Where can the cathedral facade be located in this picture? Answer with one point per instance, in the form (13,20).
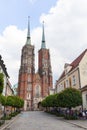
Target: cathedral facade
(34,87)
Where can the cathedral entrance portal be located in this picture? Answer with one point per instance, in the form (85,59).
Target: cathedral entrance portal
(39,106)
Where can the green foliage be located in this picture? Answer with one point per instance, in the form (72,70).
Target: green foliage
(6,117)
(19,103)
(1,82)
(70,117)
(43,103)
(2,100)
(14,101)
(70,97)
(13,114)
(50,101)
(10,101)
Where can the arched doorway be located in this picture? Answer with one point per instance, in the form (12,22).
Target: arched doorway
(39,106)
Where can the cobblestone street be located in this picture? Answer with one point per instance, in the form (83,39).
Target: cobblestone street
(37,120)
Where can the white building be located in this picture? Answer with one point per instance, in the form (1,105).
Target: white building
(75,75)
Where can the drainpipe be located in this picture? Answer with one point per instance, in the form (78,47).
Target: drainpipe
(80,85)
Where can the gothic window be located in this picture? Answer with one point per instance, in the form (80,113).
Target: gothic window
(29,52)
(29,70)
(29,87)
(37,91)
(24,61)
(29,60)
(28,96)
(29,79)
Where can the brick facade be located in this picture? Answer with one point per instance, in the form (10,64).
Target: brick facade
(33,87)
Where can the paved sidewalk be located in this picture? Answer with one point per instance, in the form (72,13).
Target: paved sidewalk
(8,122)
(79,123)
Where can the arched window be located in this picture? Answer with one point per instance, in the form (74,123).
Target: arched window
(37,91)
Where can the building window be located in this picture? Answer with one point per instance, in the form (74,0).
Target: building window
(57,88)
(64,84)
(29,79)
(24,61)
(67,83)
(86,98)
(37,91)
(29,70)
(73,80)
(28,96)
(29,88)
(61,86)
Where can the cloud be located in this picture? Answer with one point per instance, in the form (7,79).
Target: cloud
(32,1)
(66,27)
(12,39)
(65,32)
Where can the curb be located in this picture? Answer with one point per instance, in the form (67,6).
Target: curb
(74,124)
(4,126)
(70,122)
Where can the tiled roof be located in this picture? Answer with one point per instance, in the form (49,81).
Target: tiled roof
(74,64)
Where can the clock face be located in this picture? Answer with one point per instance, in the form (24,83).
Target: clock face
(84,69)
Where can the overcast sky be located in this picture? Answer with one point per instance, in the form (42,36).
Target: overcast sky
(65,31)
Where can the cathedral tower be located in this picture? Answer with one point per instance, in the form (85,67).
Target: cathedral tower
(44,67)
(34,87)
(26,72)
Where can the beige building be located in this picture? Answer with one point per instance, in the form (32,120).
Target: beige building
(75,75)
(9,90)
(3,70)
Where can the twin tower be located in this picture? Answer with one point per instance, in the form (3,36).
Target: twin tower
(34,87)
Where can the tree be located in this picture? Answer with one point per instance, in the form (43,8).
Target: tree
(43,103)
(50,101)
(10,101)
(2,100)
(1,82)
(19,103)
(14,101)
(70,97)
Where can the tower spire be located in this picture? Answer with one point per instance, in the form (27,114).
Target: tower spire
(43,45)
(28,33)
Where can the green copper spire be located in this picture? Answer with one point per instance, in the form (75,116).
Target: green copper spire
(43,45)
(28,33)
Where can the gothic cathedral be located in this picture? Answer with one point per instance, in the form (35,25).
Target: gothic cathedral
(34,87)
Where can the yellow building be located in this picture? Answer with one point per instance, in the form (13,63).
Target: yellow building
(9,90)
(75,75)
